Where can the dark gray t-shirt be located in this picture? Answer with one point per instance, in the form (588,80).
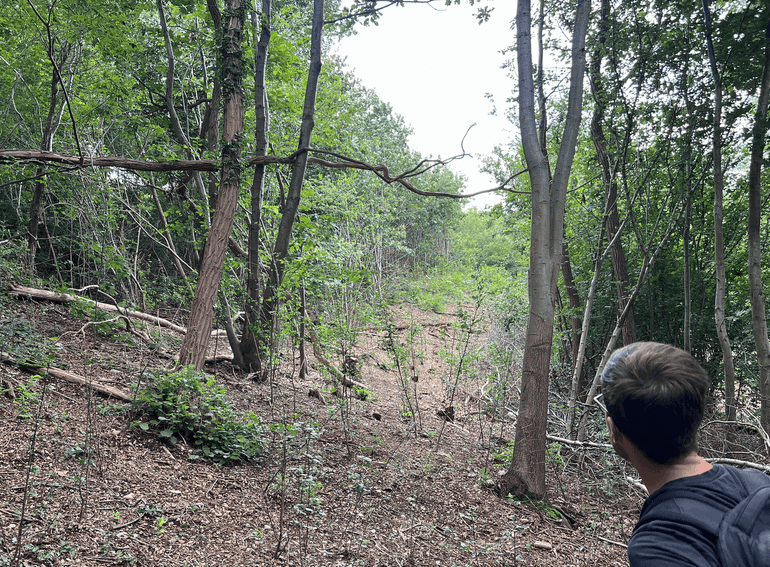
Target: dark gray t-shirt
(659,542)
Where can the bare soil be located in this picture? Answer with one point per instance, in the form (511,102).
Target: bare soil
(350,488)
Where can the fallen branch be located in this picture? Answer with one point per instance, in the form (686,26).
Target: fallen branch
(579,443)
(757,426)
(45,295)
(115,319)
(612,541)
(333,370)
(738,463)
(108,391)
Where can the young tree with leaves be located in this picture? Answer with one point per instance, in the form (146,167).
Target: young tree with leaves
(526,473)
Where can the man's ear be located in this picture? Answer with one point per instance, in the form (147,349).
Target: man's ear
(617,439)
(614,432)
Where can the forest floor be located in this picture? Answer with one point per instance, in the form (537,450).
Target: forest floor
(336,484)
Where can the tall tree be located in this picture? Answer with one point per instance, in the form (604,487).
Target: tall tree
(719,246)
(249,347)
(757,295)
(193,349)
(526,473)
(270,297)
(612,218)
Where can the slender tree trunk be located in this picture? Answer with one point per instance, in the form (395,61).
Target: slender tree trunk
(303,364)
(249,346)
(53,120)
(756,292)
(210,126)
(719,246)
(526,473)
(175,123)
(270,298)
(193,350)
(611,218)
(574,306)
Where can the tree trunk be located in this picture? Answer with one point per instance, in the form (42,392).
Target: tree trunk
(175,123)
(193,350)
(611,217)
(270,298)
(249,343)
(526,473)
(757,295)
(574,306)
(719,246)
(53,120)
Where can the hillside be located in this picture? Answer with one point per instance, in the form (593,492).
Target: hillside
(335,485)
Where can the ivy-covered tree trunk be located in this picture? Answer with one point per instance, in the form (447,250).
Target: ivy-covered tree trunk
(195,343)
(756,292)
(249,346)
(526,473)
(270,298)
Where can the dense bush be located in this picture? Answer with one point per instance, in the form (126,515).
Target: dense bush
(186,405)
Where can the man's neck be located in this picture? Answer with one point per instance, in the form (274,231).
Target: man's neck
(655,476)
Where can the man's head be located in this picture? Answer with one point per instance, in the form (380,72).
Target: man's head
(656,395)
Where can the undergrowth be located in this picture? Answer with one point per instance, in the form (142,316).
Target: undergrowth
(188,406)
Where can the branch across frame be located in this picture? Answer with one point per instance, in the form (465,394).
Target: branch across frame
(43,157)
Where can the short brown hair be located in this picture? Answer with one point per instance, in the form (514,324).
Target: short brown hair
(656,395)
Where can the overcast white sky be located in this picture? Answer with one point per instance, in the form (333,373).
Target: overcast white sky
(434,66)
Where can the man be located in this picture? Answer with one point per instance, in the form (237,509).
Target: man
(654,397)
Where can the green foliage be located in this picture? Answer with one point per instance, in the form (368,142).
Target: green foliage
(21,340)
(504,454)
(186,404)
(363,394)
(488,239)
(542,506)
(27,398)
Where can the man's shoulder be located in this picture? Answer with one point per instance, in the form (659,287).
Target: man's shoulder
(680,522)
(722,487)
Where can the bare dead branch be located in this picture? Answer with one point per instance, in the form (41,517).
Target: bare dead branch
(381,170)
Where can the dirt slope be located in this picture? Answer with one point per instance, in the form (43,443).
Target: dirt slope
(336,485)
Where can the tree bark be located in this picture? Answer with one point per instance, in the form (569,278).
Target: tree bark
(526,473)
(574,306)
(270,298)
(719,246)
(193,349)
(756,292)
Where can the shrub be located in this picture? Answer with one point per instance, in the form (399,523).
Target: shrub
(188,405)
